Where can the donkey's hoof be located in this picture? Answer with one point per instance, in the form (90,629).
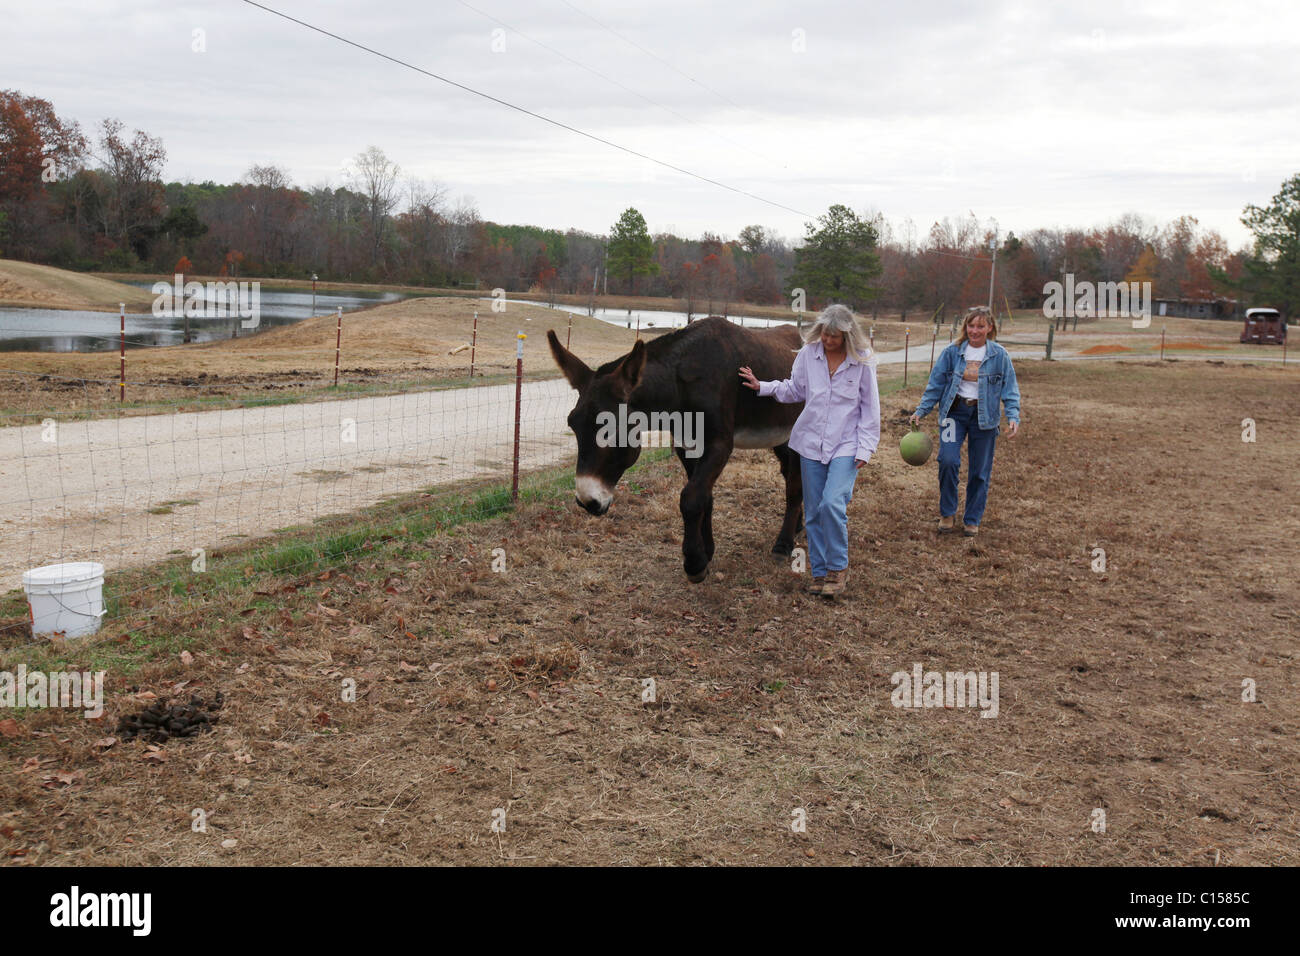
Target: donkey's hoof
(783,548)
(698,577)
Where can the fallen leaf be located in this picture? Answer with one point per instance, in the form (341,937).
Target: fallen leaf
(157,756)
(10,727)
(105,742)
(229,844)
(187,658)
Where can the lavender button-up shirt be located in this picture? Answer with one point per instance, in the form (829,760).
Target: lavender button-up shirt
(841,414)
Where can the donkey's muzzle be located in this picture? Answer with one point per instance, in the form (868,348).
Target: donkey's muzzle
(592,507)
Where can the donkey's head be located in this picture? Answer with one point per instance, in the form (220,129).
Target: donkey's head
(606,448)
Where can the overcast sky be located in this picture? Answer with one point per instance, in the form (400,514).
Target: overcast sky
(1026,113)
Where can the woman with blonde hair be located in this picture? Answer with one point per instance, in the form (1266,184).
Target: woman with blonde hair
(837,432)
(971,382)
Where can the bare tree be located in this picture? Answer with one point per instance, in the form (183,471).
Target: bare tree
(422,222)
(134,199)
(459,231)
(375,176)
(274,205)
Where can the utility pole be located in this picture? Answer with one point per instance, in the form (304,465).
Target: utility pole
(1060,320)
(993,266)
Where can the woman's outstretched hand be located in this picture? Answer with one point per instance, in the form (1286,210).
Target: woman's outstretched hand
(747,376)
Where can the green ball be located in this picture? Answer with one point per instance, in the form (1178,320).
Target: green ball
(916,447)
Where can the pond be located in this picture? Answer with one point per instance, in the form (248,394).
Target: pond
(66,330)
(654,319)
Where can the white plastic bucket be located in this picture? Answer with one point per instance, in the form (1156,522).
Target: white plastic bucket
(65,598)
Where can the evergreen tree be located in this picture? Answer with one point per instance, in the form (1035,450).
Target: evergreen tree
(838,259)
(631,251)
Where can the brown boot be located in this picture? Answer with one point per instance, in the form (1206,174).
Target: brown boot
(945,524)
(835,582)
(816,586)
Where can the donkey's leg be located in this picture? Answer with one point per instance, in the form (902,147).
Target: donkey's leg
(687,463)
(692,523)
(793,520)
(706,526)
(697,511)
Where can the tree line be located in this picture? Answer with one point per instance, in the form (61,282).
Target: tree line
(99,202)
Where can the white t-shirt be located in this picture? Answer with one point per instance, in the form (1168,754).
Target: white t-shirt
(973,358)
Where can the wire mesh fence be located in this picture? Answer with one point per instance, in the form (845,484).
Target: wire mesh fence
(162,484)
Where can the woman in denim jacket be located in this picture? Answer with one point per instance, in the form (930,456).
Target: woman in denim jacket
(971,382)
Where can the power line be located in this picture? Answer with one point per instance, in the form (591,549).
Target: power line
(610,79)
(525,111)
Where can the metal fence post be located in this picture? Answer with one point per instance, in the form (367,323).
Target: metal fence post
(473,344)
(338,348)
(519,389)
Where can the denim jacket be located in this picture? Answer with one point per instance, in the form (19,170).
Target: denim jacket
(997,385)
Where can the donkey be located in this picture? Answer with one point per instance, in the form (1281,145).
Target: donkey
(691,372)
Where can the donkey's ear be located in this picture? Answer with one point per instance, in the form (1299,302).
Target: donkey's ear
(629,370)
(574,369)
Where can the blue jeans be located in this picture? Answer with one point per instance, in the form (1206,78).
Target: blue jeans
(827,491)
(979,462)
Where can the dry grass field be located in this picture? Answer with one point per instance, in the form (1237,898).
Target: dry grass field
(27,285)
(521,690)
